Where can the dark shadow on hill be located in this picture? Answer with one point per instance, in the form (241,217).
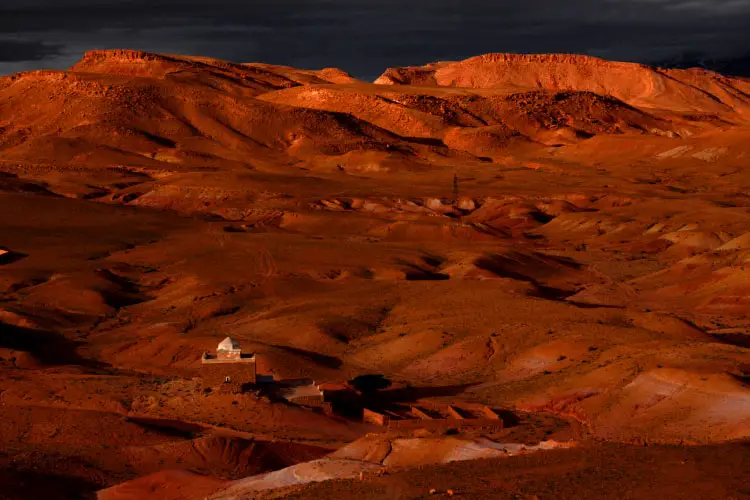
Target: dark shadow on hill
(172,428)
(10,183)
(743,379)
(423,271)
(409,393)
(552,293)
(491,230)
(526,267)
(18,484)
(49,348)
(375,391)
(348,328)
(532,268)
(735,339)
(588,305)
(160,140)
(11,257)
(321,359)
(371,383)
(509,418)
(126,291)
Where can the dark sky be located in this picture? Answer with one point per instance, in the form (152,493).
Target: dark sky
(366,36)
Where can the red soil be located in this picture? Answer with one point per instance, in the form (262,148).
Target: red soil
(592,265)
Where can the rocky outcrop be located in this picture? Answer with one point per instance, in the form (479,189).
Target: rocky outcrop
(636,84)
(147,64)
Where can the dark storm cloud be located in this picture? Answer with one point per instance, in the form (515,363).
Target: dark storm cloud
(14,51)
(365,36)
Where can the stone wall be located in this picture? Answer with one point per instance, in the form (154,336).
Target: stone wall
(484,418)
(447,423)
(308,400)
(373,417)
(239,373)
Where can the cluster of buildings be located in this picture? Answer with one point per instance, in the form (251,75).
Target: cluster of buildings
(229,370)
(435,416)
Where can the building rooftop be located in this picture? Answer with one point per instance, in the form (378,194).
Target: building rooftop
(228,344)
(301,391)
(213,358)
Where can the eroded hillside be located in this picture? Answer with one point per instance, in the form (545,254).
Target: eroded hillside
(561,237)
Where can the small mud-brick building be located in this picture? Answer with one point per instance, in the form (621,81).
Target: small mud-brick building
(229,370)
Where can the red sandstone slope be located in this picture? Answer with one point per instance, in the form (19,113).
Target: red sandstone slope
(476,119)
(602,278)
(102,118)
(636,84)
(257,76)
(156,111)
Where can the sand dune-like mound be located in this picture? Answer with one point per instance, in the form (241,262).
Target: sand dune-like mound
(678,404)
(668,326)
(695,239)
(710,282)
(323,469)
(635,84)
(462,357)
(411,452)
(636,393)
(166,485)
(739,243)
(84,295)
(606,295)
(485,141)
(546,358)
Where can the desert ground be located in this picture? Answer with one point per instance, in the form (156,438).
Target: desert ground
(559,237)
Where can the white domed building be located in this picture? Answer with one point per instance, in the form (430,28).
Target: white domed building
(229,369)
